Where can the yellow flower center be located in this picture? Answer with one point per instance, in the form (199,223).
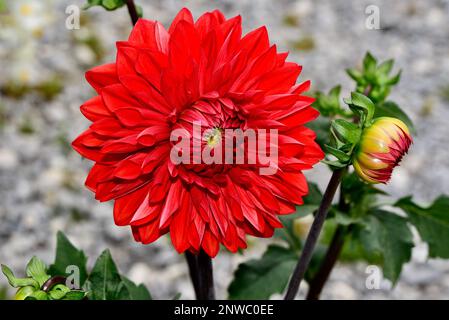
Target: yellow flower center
(214,137)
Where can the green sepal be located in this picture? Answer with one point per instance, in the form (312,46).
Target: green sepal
(363,105)
(18,282)
(24,292)
(346,131)
(37,270)
(38,295)
(340,155)
(334,164)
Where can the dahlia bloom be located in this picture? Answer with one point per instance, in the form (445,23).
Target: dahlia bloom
(381,148)
(202,72)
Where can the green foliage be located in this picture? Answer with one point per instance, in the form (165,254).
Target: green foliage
(39,285)
(260,278)
(107,4)
(345,131)
(110,5)
(36,269)
(374,79)
(136,292)
(106,283)
(389,236)
(432,223)
(68,255)
(362,106)
(346,135)
(18,282)
(103,283)
(329,104)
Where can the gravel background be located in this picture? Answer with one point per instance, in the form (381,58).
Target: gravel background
(41,179)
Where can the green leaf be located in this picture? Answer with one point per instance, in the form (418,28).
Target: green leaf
(334,94)
(105,282)
(36,269)
(139,11)
(394,80)
(391,109)
(260,278)
(136,292)
(346,131)
(74,295)
(432,223)
(107,4)
(388,235)
(346,219)
(91,3)
(314,196)
(369,65)
(68,255)
(355,74)
(112,4)
(385,67)
(177,296)
(18,282)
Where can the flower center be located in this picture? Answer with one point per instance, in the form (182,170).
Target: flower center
(213,137)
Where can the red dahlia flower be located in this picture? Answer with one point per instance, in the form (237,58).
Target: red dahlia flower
(203,72)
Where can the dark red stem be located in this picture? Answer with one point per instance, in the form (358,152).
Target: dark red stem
(312,237)
(132,11)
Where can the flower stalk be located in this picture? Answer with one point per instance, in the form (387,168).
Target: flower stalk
(312,238)
(201,275)
(132,11)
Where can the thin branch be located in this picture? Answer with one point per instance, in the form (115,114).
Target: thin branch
(132,11)
(312,238)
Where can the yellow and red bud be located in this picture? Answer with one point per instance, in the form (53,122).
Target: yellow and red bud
(382,146)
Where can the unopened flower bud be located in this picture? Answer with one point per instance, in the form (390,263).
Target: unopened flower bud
(381,148)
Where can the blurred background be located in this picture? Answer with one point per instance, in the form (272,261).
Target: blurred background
(42,65)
